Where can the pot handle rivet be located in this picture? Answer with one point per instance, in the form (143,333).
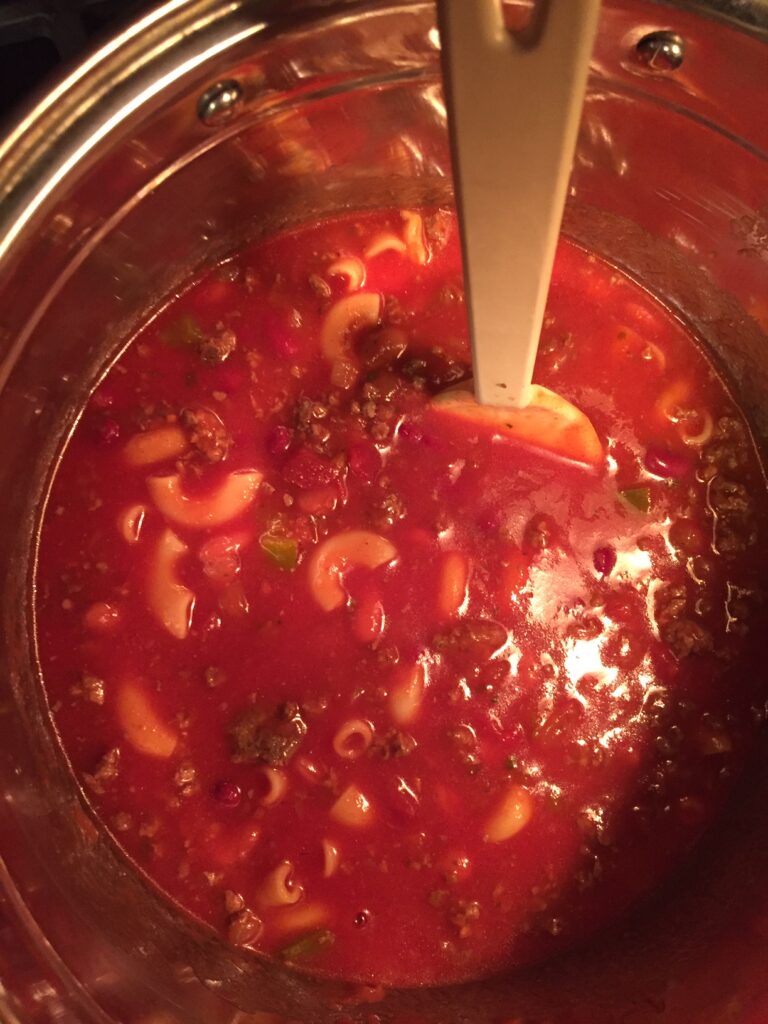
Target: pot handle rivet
(660,51)
(220,103)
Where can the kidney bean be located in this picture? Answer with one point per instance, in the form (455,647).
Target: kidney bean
(279,440)
(664,463)
(604,560)
(227,793)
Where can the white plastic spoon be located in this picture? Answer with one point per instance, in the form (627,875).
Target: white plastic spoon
(514,102)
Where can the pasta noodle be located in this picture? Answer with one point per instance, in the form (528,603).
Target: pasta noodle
(511,816)
(352,809)
(368,620)
(669,401)
(414,236)
(277,784)
(333,557)
(353,739)
(230,499)
(309,770)
(630,343)
(169,600)
(454,578)
(700,438)
(279,889)
(301,918)
(140,723)
(331,858)
(385,242)
(130,523)
(155,446)
(350,267)
(653,353)
(407,693)
(353,312)
(670,405)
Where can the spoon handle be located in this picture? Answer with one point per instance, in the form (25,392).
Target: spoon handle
(514,101)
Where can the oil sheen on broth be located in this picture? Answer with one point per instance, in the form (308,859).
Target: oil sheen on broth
(376,690)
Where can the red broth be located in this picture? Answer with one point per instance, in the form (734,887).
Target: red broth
(374,690)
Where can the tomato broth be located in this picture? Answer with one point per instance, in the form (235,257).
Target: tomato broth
(383,691)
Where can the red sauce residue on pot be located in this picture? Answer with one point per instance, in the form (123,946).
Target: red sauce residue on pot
(380,690)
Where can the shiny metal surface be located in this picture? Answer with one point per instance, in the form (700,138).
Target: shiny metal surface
(660,51)
(113,192)
(221,103)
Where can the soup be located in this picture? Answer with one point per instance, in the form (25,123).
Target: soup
(366,681)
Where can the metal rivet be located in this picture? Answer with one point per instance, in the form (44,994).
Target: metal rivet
(220,103)
(661,51)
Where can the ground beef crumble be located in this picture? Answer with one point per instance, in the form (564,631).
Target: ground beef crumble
(207,434)
(685,637)
(218,347)
(185,779)
(272,736)
(387,511)
(90,688)
(481,635)
(393,744)
(734,515)
(540,534)
(382,347)
(728,451)
(105,771)
(215,677)
(678,629)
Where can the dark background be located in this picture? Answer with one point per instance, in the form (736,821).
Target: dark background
(37,37)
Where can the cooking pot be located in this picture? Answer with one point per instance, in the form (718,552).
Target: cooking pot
(212,122)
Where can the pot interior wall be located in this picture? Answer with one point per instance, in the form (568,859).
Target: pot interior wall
(344,114)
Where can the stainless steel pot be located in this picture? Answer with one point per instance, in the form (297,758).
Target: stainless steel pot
(212,121)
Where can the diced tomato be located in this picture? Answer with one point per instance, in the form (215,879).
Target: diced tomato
(279,440)
(422,538)
(401,801)
(364,462)
(279,332)
(231,845)
(102,617)
(307,470)
(319,501)
(220,557)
